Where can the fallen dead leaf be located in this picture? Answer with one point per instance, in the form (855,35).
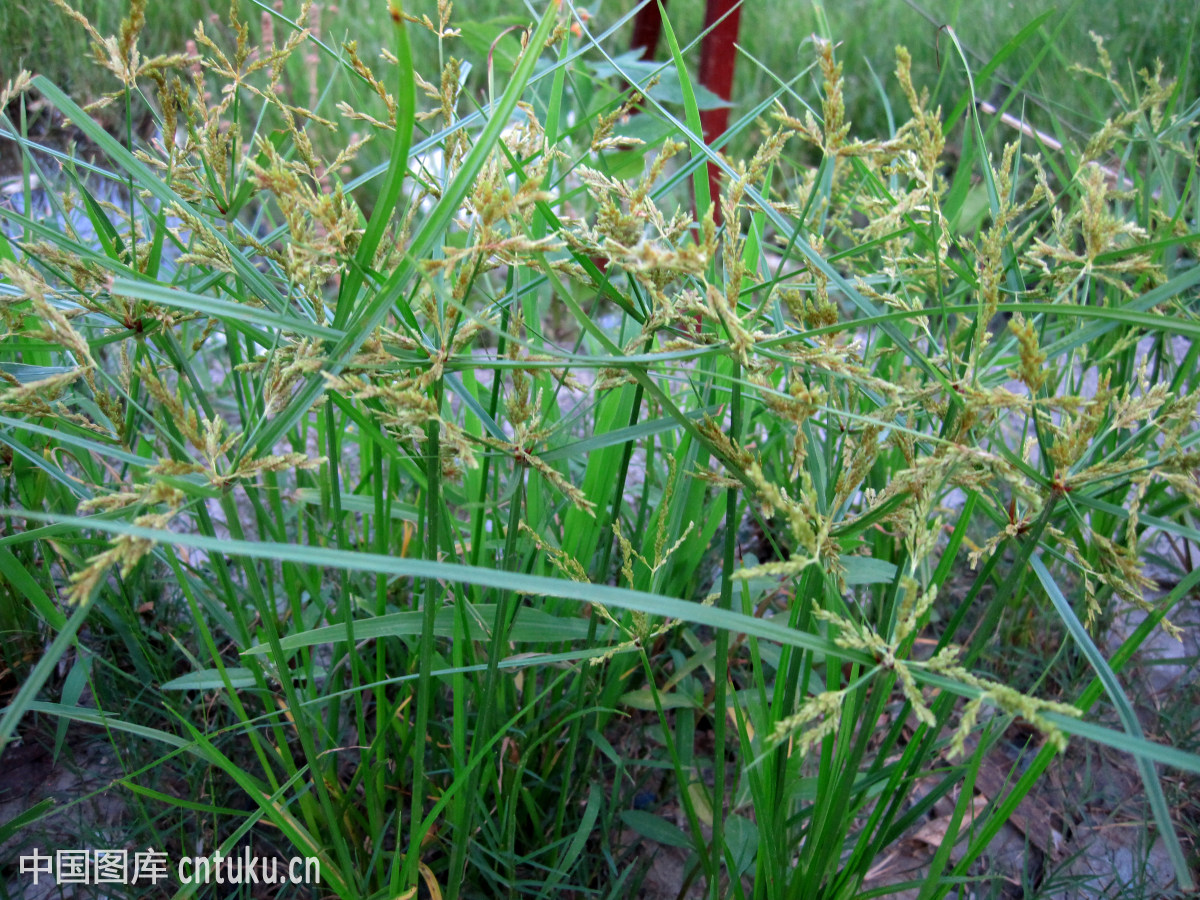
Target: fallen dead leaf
(934,831)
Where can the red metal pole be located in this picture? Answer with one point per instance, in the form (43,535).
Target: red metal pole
(647,29)
(717,56)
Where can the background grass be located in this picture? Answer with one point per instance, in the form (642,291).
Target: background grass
(39,37)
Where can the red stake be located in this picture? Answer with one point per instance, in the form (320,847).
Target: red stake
(647,29)
(717,57)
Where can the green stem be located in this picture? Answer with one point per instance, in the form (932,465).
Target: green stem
(433,473)
(500,626)
(721,661)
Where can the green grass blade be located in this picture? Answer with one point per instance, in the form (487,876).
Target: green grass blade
(1128,717)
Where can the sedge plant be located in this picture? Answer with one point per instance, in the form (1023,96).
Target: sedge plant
(413,494)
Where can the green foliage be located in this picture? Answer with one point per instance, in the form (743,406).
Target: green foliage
(401,494)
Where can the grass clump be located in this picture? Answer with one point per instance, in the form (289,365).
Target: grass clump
(414,499)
